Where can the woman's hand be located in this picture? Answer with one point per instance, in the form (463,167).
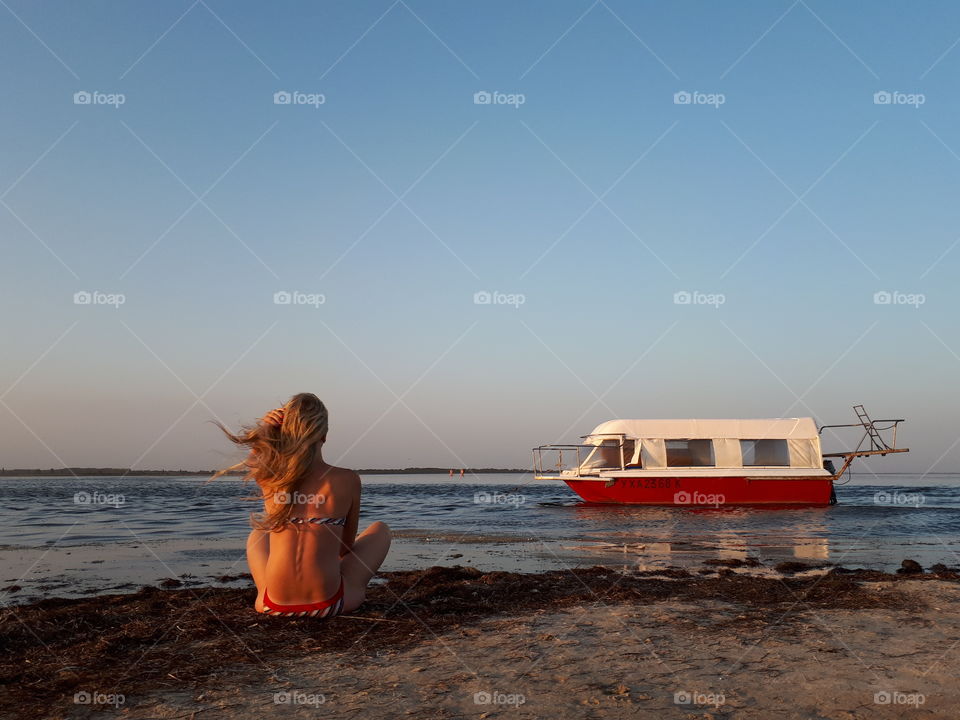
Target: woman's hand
(274,417)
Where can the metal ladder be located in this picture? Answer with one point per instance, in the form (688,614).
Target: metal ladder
(876,442)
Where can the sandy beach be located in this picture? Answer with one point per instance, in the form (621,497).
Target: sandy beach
(723,641)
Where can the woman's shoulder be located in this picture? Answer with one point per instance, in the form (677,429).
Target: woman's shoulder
(345,476)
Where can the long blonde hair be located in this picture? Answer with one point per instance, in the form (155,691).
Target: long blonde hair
(282,447)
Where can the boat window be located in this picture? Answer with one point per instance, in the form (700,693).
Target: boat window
(604,456)
(690,453)
(765,453)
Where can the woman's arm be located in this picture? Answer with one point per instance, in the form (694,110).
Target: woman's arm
(353,518)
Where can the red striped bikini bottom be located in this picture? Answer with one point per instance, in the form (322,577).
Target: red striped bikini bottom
(325,609)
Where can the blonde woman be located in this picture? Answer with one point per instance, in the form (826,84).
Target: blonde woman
(304,552)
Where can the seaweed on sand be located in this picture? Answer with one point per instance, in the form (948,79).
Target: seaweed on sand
(158,639)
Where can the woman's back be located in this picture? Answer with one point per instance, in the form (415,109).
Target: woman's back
(305,555)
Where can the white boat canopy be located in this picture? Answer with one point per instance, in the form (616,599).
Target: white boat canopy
(772,428)
(783,442)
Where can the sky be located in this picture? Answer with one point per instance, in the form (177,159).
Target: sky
(472,228)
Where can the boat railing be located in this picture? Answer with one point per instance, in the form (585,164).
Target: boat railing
(576,456)
(871,442)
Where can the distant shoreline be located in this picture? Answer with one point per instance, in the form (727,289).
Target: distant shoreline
(126,472)
(113,472)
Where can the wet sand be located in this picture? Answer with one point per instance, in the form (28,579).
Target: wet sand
(82,570)
(35,573)
(721,641)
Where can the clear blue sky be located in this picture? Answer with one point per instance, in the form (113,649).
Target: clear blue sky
(598,199)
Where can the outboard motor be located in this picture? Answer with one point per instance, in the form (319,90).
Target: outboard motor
(828,466)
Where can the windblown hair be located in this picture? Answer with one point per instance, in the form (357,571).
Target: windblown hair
(281,453)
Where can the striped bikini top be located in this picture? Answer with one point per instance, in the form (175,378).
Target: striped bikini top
(318,521)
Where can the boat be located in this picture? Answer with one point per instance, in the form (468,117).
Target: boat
(711,463)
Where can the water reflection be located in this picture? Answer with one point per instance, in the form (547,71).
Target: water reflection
(658,536)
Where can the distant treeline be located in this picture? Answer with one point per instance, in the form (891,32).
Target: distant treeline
(93,472)
(87,472)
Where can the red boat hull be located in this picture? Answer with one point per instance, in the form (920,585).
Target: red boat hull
(706,491)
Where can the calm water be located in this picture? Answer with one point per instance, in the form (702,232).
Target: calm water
(875,525)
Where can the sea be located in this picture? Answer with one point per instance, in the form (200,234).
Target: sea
(76,536)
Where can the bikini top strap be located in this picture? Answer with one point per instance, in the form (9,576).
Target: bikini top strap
(318,521)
